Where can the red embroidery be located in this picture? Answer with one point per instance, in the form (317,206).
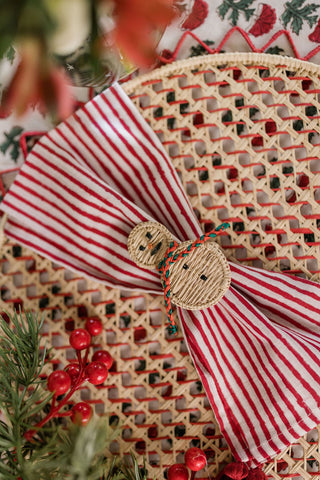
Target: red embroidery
(315,35)
(230,33)
(197,16)
(265,22)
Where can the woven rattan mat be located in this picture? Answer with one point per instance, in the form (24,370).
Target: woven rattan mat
(243,133)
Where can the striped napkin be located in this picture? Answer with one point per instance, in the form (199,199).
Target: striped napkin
(84,187)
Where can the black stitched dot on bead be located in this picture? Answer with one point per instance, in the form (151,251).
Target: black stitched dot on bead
(142,248)
(203,277)
(148,235)
(185,266)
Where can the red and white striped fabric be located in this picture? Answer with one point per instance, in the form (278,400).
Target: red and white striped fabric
(87,184)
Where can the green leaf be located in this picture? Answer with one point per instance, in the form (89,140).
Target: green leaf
(223,9)
(4,146)
(286,17)
(10,54)
(14,132)
(248,13)
(308,9)
(296,13)
(243,4)
(197,50)
(11,142)
(236,8)
(295,4)
(234,16)
(312,20)
(296,25)
(275,50)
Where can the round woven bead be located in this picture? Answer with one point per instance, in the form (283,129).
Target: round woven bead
(200,279)
(147,244)
(197,280)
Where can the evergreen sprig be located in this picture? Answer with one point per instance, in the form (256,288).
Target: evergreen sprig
(134,472)
(77,453)
(21,396)
(59,450)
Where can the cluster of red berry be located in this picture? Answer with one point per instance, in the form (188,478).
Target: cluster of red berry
(66,382)
(195,459)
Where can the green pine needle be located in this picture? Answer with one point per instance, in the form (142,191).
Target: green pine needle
(58,450)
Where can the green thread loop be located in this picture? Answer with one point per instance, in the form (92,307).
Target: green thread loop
(170,258)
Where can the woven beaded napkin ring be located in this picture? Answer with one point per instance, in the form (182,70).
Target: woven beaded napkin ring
(194,274)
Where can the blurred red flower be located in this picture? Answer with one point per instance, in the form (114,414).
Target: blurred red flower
(37,81)
(138,22)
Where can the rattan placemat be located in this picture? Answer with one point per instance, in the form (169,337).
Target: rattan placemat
(243,133)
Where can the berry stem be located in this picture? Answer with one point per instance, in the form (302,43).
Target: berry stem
(54,410)
(65,414)
(193,475)
(85,359)
(79,357)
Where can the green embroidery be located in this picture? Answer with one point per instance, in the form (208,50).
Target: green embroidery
(197,50)
(295,13)
(11,143)
(275,50)
(236,9)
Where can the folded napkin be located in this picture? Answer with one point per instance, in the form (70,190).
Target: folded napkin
(82,190)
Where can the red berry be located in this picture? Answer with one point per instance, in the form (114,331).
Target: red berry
(195,459)
(178,472)
(96,372)
(80,339)
(59,382)
(104,357)
(94,326)
(81,413)
(73,370)
(237,470)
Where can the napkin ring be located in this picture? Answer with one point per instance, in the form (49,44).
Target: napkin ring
(194,274)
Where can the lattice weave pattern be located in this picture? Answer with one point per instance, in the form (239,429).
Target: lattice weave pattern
(152,390)
(243,136)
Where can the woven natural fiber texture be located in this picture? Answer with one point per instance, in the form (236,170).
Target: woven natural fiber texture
(206,263)
(195,274)
(139,244)
(242,132)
